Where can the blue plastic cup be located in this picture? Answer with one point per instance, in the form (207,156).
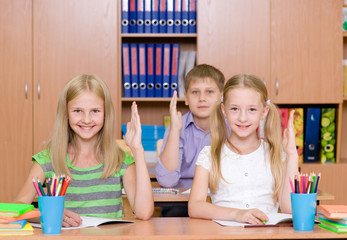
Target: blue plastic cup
(51,210)
(303,210)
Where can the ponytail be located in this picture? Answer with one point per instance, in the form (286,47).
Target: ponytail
(218,137)
(273,136)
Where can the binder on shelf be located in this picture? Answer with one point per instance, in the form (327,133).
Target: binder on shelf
(166,71)
(126,70)
(158,81)
(142,69)
(140,16)
(174,68)
(125,16)
(190,63)
(299,131)
(147,16)
(134,71)
(284,114)
(312,127)
(132,16)
(328,135)
(181,72)
(184,16)
(177,16)
(150,69)
(162,16)
(170,22)
(155,16)
(192,16)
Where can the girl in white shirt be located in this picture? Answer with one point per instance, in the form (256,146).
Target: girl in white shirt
(248,177)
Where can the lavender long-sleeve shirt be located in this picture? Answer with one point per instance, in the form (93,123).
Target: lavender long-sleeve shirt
(192,141)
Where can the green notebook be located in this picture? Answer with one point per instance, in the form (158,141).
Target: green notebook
(335,227)
(14,209)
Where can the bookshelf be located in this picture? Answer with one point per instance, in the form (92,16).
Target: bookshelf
(151,109)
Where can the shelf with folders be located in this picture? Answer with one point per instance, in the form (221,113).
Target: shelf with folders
(158,35)
(154,69)
(158,16)
(318,131)
(150,99)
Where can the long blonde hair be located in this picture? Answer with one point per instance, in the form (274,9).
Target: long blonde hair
(272,131)
(107,150)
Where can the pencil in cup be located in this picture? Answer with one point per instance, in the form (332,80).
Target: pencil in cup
(56,186)
(304,183)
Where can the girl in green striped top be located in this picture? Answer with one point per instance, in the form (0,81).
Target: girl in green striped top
(83,147)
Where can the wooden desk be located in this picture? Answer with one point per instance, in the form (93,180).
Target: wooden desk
(160,198)
(182,228)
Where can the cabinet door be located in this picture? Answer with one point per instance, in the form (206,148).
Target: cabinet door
(306,51)
(71,37)
(15,95)
(234,36)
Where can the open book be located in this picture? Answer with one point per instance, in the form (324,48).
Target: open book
(274,220)
(91,222)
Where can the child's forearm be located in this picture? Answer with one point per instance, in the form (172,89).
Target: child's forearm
(290,171)
(206,210)
(170,155)
(143,204)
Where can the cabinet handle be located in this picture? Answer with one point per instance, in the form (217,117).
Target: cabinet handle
(277,86)
(38,90)
(26,89)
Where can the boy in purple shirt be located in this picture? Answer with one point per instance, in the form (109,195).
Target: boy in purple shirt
(188,134)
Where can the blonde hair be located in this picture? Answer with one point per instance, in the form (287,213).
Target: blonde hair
(107,150)
(272,131)
(204,71)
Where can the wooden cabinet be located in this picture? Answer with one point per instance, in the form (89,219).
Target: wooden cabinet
(15,94)
(295,46)
(234,36)
(44,44)
(70,38)
(306,52)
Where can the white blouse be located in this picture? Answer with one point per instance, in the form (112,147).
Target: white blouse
(249,182)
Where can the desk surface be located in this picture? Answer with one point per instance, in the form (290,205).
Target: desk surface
(182,228)
(167,197)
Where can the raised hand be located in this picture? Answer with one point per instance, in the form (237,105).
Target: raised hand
(175,117)
(289,145)
(133,135)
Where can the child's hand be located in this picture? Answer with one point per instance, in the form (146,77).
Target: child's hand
(133,135)
(289,145)
(252,216)
(71,219)
(175,117)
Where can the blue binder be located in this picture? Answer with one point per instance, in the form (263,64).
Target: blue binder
(155,16)
(126,70)
(147,16)
(150,69)
(177,16)
(140,16)
(158,81)
(184,16)
(170,22)
(125,16)
(132,16)
(142,69)
(162,16)
(192,16)
(174,68)
(134,71)
(312,129)
(166,70)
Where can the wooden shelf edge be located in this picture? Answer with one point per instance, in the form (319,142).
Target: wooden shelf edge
(150,99)
(156,35)
(344,33)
